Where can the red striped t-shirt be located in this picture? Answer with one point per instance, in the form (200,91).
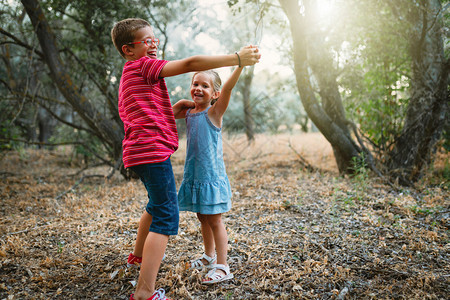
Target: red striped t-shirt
(145,109)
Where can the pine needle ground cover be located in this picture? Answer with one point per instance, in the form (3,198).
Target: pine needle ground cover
(294,233)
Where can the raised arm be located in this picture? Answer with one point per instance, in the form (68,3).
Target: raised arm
(247,56)
(217,111)
(181,107)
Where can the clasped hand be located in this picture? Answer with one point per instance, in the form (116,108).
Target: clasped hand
(249,55)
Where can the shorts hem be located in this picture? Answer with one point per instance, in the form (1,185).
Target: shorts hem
(163,232)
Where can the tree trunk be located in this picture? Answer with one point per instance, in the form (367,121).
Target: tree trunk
(321,63)
(248,119)
(110,133)
(46,125)
(427,111)
(329,119)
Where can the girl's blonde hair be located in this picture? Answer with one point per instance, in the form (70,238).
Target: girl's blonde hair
(215,79)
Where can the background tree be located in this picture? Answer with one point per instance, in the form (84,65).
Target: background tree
(315,65)
(247,32)
(310,52)
(367,72)
(71,40)
(427,111)
(105,129)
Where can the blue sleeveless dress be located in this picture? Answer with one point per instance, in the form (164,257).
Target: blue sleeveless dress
(205,187)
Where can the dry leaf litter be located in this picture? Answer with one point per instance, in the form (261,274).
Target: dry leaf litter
(293,233)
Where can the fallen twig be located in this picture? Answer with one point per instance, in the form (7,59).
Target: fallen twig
(28,229)
(303,161)
(77,184)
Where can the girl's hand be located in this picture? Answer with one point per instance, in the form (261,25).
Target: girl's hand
(249,55)
(180,108)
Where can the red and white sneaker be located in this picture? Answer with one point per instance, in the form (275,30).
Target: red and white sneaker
(159,294)
(134,261)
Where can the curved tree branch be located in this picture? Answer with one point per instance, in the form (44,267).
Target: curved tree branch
(111,133)
(18,42)
(109,97)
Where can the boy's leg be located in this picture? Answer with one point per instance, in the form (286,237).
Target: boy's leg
(154,248)
(208,236)
(144,225)
(159,181)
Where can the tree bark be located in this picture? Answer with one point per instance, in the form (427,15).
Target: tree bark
(329,119)
(248,119)
(109,132)
(427,111)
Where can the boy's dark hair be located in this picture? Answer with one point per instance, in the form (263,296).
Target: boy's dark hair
(124,31)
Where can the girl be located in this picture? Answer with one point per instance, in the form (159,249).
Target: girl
(205,188)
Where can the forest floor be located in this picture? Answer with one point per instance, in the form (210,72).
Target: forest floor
(293,233)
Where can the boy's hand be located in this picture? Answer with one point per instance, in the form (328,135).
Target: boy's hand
(249,55)
(180,108)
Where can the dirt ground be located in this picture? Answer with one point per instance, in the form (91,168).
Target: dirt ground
(293,233)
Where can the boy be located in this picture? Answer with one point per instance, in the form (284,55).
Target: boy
(151,136)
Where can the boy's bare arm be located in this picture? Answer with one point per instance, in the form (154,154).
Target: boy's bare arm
(180,108)
(247,55)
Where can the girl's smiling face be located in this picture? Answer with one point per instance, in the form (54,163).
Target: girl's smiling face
(202,90)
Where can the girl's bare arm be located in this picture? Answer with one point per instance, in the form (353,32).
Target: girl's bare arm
(219,108)
(181,107)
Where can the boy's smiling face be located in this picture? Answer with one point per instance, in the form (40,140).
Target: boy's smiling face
(141,49)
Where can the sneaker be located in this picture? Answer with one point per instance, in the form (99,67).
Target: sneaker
(159,294)
(135,261)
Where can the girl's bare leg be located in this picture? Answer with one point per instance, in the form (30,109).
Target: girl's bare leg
(220,238)
(208,236)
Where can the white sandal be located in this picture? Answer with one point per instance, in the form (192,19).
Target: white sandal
(214,277)
(199,264)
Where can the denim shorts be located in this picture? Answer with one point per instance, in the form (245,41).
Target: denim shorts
(162,203)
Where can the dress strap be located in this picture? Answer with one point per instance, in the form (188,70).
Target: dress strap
(197,113)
